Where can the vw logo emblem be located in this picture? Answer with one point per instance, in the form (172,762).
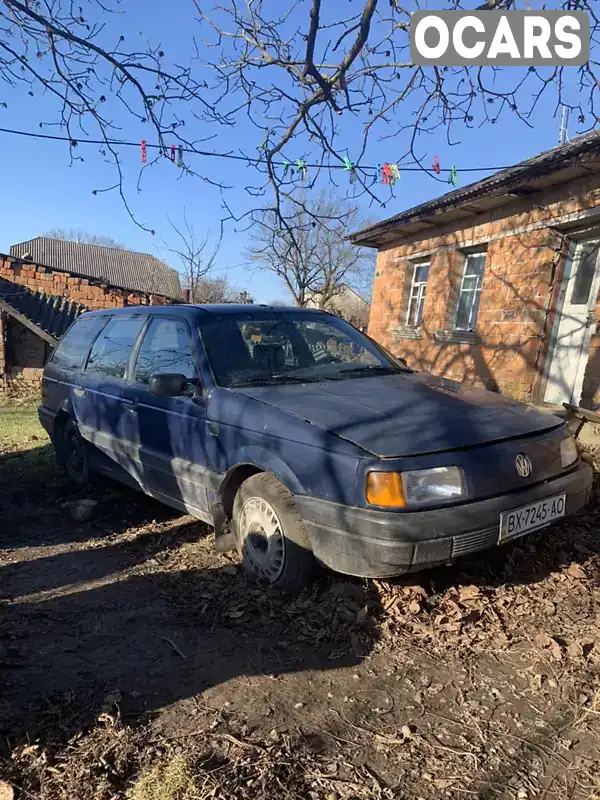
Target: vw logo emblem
(523,465)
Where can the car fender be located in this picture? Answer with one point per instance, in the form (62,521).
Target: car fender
(270,462)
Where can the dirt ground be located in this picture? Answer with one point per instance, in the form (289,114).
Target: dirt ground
(135,663)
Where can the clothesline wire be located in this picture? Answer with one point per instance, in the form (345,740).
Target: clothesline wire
(231,156)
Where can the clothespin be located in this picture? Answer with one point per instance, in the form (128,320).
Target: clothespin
(180,157)
(286,167)
(377,174)
(144,151)
(452,178)
(387,177)
(349,167)
(172,152)
(395,172)
(302,168)
(436,165)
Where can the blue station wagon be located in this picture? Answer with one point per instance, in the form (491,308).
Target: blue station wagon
(300,439)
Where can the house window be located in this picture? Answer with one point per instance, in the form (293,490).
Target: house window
(470,292)
(416,298)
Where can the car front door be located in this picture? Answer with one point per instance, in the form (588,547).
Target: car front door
(168,433)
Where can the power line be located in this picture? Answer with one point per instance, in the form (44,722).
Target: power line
(232,156)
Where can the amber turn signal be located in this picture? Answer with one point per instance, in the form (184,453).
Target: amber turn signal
(385,489)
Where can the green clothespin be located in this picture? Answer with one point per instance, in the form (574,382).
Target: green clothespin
(452,178)
(395,172)
(349,167)
(286,167)
(302,168)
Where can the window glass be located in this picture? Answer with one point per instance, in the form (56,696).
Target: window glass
(470,292)
(73,348)
(416,298)
(279,347)
(586,269)
(166,347)
(112,349)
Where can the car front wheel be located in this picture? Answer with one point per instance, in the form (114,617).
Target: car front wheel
(270,534)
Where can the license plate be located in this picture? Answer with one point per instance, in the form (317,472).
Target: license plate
(529,518)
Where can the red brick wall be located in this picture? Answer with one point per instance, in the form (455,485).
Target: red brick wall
(525,257)
(93,294)
(22,353)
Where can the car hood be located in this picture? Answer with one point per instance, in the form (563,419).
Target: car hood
(406,414)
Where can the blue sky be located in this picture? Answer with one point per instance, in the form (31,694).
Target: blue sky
(41,190)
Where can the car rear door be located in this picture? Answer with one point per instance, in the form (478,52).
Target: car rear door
(168,433)
(98,402)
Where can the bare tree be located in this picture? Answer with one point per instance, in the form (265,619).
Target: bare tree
(301,77)
(196,258)
(312,255)
(83,237)
(219,290)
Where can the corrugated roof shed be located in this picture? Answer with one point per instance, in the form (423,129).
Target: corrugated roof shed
(48,315)
(124,269)
(553,167)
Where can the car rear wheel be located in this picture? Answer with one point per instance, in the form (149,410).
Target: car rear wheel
(270,534)
(73,454)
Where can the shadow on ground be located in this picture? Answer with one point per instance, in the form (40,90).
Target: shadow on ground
(134,620)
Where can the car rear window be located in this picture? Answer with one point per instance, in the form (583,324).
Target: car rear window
(74,346)
(111,351)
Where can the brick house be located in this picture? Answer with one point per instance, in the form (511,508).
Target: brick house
(46,283)
(496,283)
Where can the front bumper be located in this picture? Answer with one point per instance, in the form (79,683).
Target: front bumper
(379,544)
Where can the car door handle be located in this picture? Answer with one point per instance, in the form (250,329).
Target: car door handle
(130,406)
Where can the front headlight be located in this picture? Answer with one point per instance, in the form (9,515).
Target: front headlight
(415,487)
(433,485)
(568,452)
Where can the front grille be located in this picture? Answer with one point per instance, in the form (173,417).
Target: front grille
(472,542)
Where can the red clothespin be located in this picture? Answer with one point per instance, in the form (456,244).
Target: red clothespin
(144,152)
(436,165)
(172,152)
(387,176)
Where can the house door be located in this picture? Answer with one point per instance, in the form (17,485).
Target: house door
(572,336)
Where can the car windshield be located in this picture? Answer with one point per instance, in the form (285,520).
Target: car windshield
(272,347)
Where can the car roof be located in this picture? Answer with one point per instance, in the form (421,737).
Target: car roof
(196,310)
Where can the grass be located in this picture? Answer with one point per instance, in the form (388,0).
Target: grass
(172,780)
(20,430)
(25,450)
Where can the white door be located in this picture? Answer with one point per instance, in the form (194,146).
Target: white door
(571,345)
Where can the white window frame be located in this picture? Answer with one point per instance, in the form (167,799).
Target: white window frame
(417,292)
(476,293)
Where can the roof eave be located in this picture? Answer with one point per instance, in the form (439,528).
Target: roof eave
(551,168)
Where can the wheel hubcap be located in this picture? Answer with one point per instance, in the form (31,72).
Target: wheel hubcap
(262,536)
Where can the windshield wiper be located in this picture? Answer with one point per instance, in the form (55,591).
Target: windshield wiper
(370,369)
(258,380)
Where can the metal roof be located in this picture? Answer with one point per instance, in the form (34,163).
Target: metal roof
(123,269)
(48,315)
(575,159)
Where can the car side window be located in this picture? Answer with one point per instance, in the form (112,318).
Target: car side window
(111,351)
(74,346)
(166,347)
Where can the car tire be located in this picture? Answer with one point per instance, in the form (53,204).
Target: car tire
(271,537)
(73,454)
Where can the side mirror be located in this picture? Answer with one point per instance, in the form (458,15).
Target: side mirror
(170,384)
